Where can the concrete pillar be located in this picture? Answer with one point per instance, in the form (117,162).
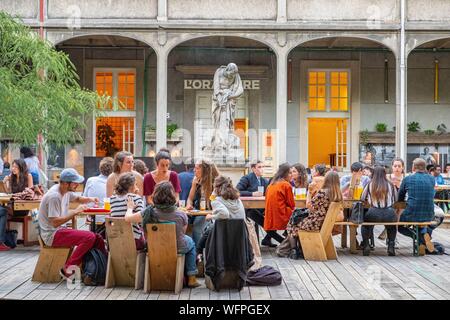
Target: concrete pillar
(162,10)
(401,89)
(161,99)
(281,114)
(282,11)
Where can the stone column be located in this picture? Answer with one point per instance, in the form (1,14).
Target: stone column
(161,99)
(282,11)
(162,10)
(401,117)
(281,113)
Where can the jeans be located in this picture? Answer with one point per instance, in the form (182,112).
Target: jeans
(190,261)
(197,228)
(35,176)
(83,240)
(3,218)
(379,215)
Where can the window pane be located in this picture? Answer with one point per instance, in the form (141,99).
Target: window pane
(343,77)
(334,104)
(114,134)
(321,104)
(343,91)
(130,91)
(343,104)
(312,77)
(334,77)
(321,91)
(321,77)
(130,78)
(130,103)
(312,91)
(126,89)
(312,103)
(334,91)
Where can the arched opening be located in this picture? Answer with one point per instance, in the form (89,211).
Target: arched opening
(191,68)
(340,90)
(124,69)
(428,76)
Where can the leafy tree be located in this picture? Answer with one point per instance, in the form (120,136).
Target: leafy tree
(39,92)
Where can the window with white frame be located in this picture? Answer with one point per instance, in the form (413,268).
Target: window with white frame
(115,131)
(328,90)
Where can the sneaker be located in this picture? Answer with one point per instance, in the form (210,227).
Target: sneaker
(422,250)
(4,247)
(383,235)
(428,243)
(65,276)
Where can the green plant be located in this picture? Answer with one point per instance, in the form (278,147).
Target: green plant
(171,128)
(39,90)
(364,137)
(105,142)
(381,127)
(413,126)
(429,132)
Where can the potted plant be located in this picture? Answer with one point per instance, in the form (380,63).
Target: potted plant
(413,126)
(105,142)
(429,132)
(381,127)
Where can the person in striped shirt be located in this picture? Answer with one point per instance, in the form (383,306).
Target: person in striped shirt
(125,189)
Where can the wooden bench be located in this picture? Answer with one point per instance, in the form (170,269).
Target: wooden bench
(318,245)
(353,227)
(125,264)
(164,267)
(49,263)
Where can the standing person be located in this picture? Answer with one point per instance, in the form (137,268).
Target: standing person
(447,171)
(19,179)
(165,210)
(186,178)
(202,188)
(248,187)
(140,167)
(54,212)
(96,186)
(299,176)
(381,195)
(161,173)
(123,162)
(420,204)
(32,163)
(279,202)
(126,189)
(6,171)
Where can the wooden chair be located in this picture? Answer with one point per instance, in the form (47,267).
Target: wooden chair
(50,261)
(318,245)
(125,263)
(164,267)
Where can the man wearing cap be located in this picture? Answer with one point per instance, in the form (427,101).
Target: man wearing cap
(54,213)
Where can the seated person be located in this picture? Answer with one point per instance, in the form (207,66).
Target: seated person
(226,205)
(317,179)
(356,177)
(186,178)
(317,211)
(165,210)
(126,189)
(96,186)
(248,187)
(420,203)
(54,213)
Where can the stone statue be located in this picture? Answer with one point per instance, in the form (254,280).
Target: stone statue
(227,89)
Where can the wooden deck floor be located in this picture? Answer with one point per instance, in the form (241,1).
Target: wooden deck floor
(350,277)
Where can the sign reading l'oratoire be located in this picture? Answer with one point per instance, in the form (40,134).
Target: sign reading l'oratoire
(197,84)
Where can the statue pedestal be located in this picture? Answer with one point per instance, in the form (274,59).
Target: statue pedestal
(234,172)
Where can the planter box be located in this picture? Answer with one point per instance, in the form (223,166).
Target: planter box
(413,138)
(150,136)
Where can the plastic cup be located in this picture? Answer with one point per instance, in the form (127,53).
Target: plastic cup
(302,193)
(261,189)
(182,203)
(107,204)
(203,205)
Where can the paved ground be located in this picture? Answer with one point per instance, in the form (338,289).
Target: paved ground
(350,277)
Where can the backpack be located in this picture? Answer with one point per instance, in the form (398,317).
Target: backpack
(11,238)
(298,215)
(264,276)
(94,267)
(438,249)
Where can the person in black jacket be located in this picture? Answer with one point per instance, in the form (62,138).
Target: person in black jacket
(248,187)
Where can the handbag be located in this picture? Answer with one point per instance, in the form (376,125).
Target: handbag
(11,238)
(357,214)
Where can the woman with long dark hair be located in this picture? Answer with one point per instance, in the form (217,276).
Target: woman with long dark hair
(279,202)
(19,179)
(381,195)
(123,162)
(299,176)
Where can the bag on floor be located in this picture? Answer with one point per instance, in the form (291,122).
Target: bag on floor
(94,267)
(438,249)
(11,238)
(357,214)
(264,276)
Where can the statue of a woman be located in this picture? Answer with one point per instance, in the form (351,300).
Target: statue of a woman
(227,89)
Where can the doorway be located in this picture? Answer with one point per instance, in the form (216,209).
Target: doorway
(327,141)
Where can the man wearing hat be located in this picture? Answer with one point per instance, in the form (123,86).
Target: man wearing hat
(54,213)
